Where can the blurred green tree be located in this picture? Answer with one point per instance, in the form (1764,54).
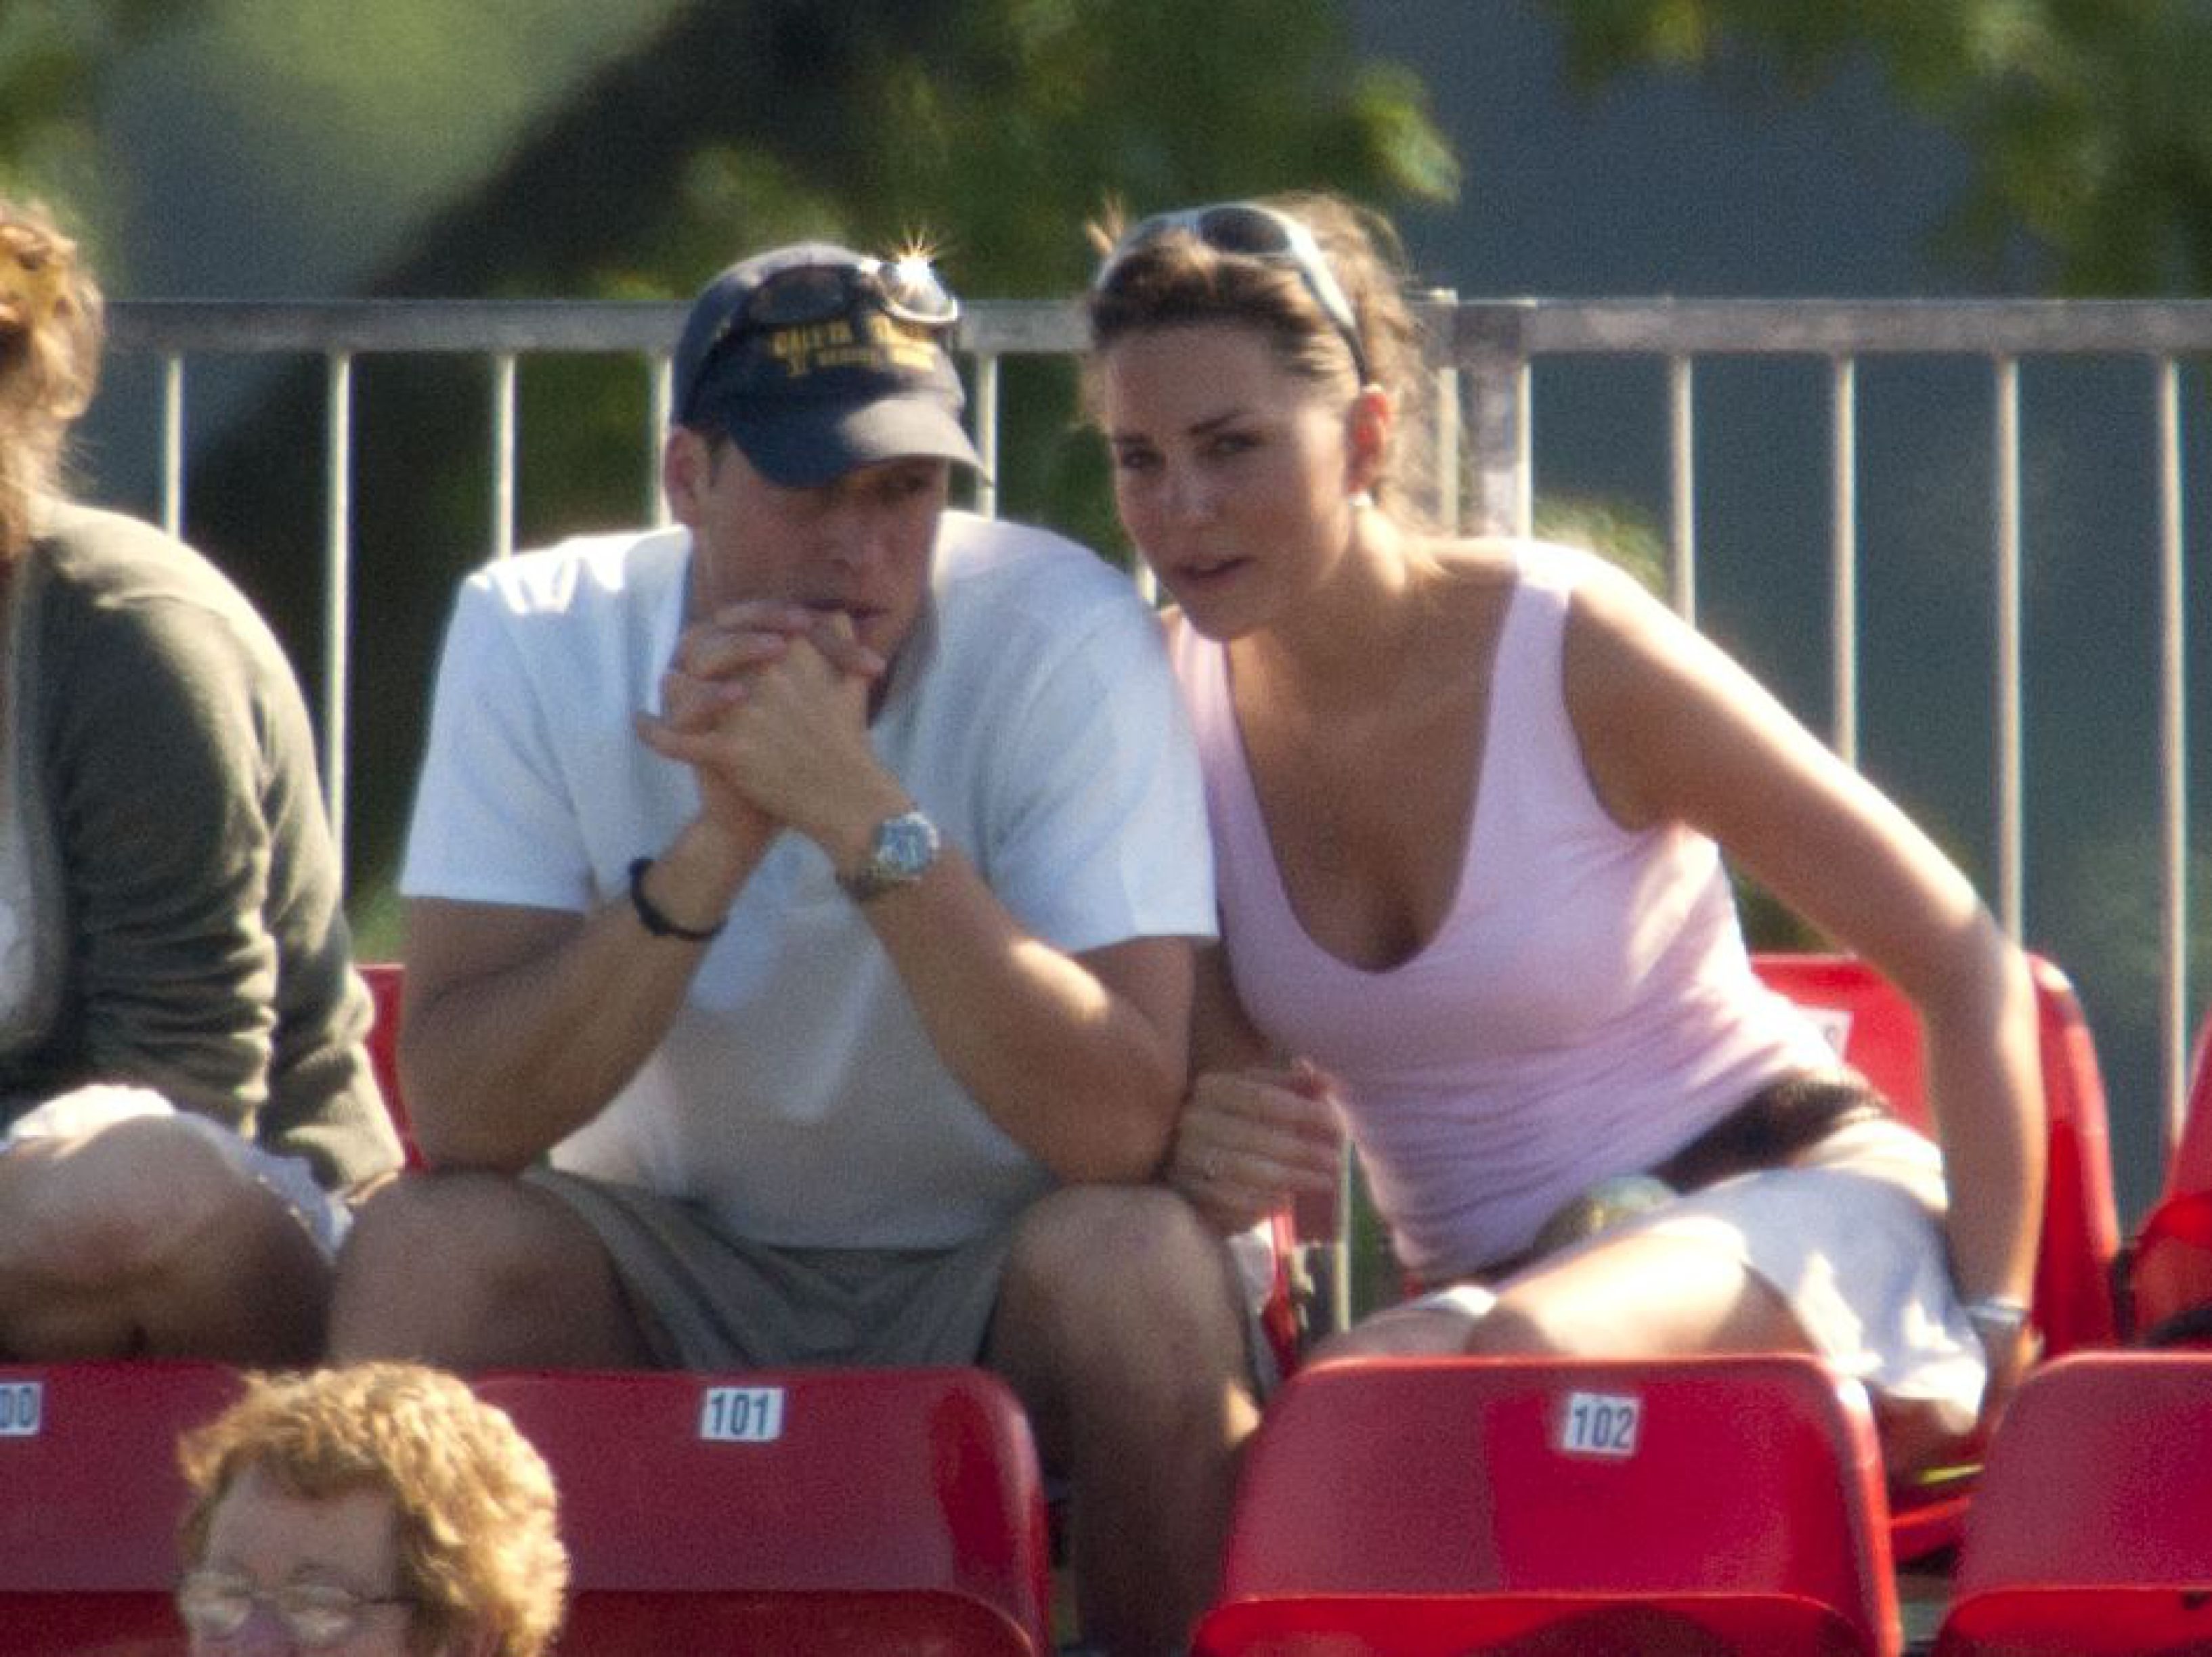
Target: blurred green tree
(2084,122)
(53,55)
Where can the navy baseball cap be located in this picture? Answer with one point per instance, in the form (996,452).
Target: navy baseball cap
(816,360)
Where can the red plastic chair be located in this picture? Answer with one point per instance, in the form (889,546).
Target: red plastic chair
(387,981)
(89,1499)
(800,1512)
(2091,1531)
(1434,1506)
(2073,1308)
(2169,1262)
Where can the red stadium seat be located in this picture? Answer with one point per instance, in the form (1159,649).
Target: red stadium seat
(2073,1307)
(387,980)
(2169,1262)
(1435,1506)
(799,1512)
(2091,1533)
(89,1499)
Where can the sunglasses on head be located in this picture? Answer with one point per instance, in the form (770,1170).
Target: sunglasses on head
(1249,230)
(907,289)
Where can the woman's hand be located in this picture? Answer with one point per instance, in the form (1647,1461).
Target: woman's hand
(1250,1140)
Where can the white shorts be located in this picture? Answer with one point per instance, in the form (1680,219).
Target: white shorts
(1851,1235)
(85,1111)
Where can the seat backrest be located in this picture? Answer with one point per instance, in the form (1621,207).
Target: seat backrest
(804,1512)
(90,1495)
(1435,1505)
(387,981)
(2169,1261)
(1878,1032)
(2092,1530)
(2189,1169)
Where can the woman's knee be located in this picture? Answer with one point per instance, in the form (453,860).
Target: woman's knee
(119,1204)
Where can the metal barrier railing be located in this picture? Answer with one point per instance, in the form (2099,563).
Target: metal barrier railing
(1488,354)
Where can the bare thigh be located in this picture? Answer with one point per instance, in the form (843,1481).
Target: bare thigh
(479,1271)
(1634,1297)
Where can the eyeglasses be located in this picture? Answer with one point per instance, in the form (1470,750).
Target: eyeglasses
(906,288)
(216,1605)
(1249,230)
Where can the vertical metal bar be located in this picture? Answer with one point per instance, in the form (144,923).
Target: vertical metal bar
(1489,350)
(1445,383)
(2174,749)
(1844,558)
(1682,485)
(337,585)
(1501,450)
(503,453)
(987,433)
(2010,854)
(1524,469)
(1438,496)
(660,416)
(172,443)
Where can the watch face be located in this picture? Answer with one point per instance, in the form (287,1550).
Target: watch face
(905,845)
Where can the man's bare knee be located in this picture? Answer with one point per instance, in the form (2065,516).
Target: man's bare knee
(1119,1294)
(472,1271)
(1117,1250)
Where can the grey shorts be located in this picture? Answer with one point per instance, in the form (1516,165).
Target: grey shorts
(705,1299)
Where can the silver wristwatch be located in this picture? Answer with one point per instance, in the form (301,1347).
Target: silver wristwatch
(904,848)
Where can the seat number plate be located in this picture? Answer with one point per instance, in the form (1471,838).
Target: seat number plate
(1600,1424)
(22,1408)
(742,1415)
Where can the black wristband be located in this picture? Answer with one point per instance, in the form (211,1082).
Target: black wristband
(656,923)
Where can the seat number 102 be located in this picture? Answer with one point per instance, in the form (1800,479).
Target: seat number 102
(1600,1424)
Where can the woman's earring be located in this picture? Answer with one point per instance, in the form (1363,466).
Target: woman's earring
(1361,501)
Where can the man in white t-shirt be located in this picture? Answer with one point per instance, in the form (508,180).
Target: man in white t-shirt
(801,912)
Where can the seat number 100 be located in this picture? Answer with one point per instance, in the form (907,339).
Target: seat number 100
(22,1405)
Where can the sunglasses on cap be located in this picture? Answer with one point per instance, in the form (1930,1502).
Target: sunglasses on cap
(907,289)
(1248,230)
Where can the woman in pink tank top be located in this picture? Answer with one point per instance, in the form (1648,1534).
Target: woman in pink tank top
(1470,798)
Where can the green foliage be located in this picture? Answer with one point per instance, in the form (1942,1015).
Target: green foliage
(53,55)
(2084,122)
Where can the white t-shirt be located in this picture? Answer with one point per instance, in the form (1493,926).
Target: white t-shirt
(796,1095)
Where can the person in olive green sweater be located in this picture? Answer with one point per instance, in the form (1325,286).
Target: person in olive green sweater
(186,1108)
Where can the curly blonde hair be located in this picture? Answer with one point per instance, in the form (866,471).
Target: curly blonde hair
(51,330)
(479,1541)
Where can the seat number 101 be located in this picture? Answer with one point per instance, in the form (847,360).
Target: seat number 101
(742,1415)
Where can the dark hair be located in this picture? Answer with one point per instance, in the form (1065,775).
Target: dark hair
(1175,278)
(51,332)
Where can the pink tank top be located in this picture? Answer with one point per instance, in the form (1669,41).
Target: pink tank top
(1586,1007)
